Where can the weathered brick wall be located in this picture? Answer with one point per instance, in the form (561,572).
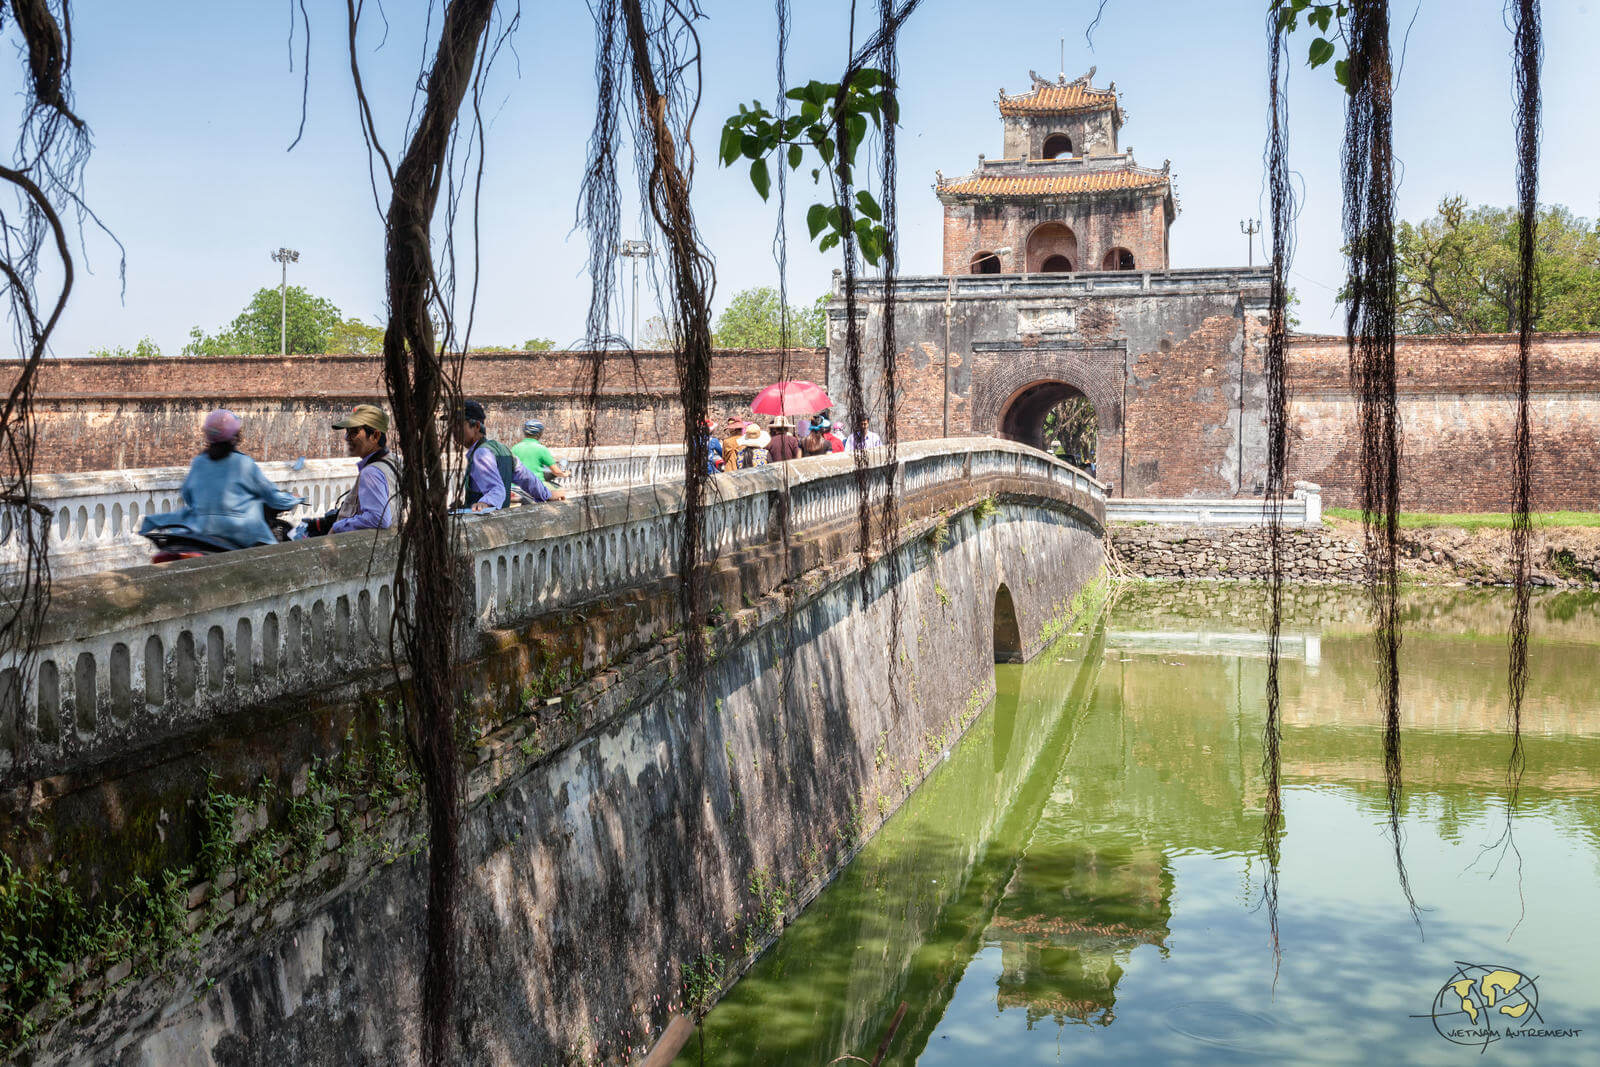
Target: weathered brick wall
(1132,220)
(1092,132)
(1457,415)
(97,414)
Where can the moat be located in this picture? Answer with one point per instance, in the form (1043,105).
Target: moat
(1082,880)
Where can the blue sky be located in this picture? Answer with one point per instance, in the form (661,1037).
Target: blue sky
(193,105)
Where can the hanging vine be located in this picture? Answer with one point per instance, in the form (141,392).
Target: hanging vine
(655,51)
(422,374)
(46,175)
(1281,195)
(1368,162)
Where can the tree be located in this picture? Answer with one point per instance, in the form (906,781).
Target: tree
(255,330)
(538,344)
(355,337)
(1458,271)
(752,320)
(145,348)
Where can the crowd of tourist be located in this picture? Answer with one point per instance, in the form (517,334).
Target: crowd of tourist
(743,444)
(227,497)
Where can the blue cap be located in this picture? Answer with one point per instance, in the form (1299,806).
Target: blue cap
(533,427)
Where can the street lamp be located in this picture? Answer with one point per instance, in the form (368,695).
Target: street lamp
(1250,228)
(636,250)
(284,256)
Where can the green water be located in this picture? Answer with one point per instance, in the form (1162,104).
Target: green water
(1082,881)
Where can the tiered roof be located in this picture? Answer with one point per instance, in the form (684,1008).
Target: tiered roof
(1053,184)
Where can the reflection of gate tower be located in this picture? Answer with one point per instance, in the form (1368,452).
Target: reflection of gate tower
(1064,198)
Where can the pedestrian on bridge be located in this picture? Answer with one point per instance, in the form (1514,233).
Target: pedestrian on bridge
(535,454)
(492,471)
(370,503)
(783,445)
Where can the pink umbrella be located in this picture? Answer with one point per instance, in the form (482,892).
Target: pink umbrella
(791,398)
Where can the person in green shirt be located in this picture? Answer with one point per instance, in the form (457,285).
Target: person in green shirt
(535,455)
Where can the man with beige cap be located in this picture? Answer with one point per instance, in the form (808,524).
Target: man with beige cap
(370,505)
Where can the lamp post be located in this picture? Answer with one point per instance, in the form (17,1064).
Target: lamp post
(636,250)
(1250,228)
(284,256)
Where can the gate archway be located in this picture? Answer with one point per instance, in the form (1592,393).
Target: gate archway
(1025,417)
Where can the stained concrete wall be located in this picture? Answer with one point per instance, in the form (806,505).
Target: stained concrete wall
(612,836)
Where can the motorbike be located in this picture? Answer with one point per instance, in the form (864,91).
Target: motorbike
(176,541)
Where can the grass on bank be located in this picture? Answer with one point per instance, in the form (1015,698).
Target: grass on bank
(1477,520)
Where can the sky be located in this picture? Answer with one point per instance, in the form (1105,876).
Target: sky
(193,105)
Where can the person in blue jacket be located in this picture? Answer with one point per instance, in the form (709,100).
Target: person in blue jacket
(225,491)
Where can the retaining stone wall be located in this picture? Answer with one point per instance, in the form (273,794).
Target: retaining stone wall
(1561,557)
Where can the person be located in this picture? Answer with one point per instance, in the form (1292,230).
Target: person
(732,429)
(492,471)
(782,445)
(816,442)
(753,446)
(830,434)
(370,503)
(863,437)
(535,454)
(225,492)
(713,448)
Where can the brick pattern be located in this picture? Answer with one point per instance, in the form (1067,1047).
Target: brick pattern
(1135,220)
(1457,417)
(98,414)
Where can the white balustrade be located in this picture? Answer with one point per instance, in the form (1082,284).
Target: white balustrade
(129,657)
(95,515)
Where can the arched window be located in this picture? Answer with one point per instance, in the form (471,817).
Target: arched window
(986,263)
(1052,247)
(1117,259)
(1057,144)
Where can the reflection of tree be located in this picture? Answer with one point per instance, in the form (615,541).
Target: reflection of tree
(1068,922)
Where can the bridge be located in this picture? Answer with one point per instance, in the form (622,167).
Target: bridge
(209,790)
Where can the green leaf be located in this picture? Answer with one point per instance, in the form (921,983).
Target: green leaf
(825,149)
(796,154)
(1320,18)
(857,127)
(730,144)
(759,177)
(868,206)
(1341,72)
(827,242)
(816,219)
(750,145)
(1321,51)
(866,78)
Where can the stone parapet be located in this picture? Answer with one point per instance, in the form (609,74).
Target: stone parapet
(131,657)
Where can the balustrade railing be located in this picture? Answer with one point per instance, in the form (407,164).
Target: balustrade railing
(95,516)
(129,657)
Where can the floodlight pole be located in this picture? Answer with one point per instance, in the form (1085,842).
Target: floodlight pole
(284,256)
(636,250)
(1250,228)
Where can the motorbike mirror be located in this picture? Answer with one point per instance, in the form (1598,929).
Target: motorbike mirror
(299,464)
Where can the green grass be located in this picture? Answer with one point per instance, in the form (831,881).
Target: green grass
(1477,520)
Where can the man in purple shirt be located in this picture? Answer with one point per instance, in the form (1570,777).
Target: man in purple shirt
(492,471)
(370,504)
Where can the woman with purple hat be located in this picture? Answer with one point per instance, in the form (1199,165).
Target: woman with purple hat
(225,492)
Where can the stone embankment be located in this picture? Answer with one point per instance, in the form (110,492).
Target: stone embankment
(1561,557)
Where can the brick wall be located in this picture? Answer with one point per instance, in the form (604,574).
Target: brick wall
(1457,405)
(96,414)
(1135,221)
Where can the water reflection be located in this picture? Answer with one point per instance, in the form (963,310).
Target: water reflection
(1081,879)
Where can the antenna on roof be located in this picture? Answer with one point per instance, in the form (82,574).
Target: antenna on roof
(1063,59)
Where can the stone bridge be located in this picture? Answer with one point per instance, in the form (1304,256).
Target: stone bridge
(209,798)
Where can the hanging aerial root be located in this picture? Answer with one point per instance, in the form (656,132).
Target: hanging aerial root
(1282,220)
(1368,163)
